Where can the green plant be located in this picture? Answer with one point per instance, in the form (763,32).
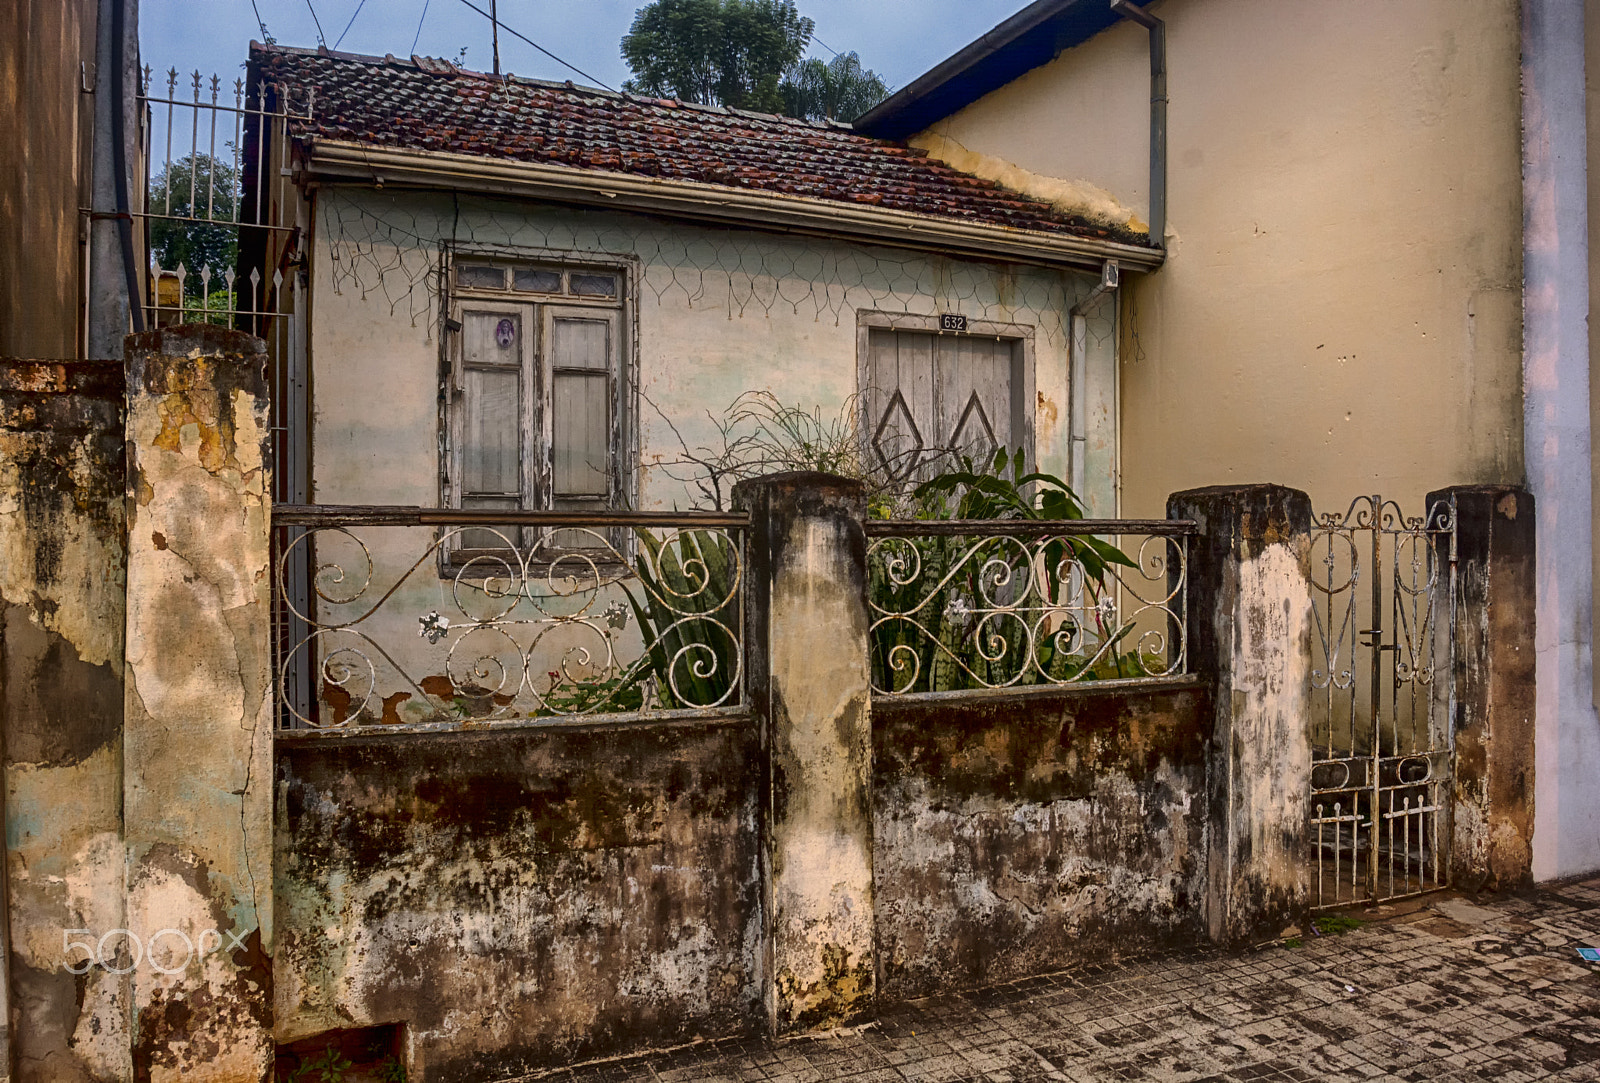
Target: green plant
(688,615)
(1292,942)
(390,1070)
(1335,924)
(941,616)
(330,1068)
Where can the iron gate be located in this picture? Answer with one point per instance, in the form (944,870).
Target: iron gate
(1383,591)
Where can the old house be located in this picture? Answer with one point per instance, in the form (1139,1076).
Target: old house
(374,681)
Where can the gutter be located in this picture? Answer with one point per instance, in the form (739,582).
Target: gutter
(337,161)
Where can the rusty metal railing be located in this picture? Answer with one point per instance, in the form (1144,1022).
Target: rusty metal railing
(419,618)
(961,605)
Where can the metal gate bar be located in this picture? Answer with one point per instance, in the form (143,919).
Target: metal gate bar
(1381,755)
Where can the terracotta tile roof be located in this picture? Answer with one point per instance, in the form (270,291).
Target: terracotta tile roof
(429,104)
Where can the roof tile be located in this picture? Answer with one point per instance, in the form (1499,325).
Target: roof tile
(430,104)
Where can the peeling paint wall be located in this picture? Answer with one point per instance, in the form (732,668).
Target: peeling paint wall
(198,706)
(1493,695)
(523,896)
(62,575)
(1249,632)
(1016,835)
(809,689)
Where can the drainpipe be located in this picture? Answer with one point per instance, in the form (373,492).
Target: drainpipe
(1078,414)
(1158,114)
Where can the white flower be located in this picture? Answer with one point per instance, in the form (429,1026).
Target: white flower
(433,626)
(616,615)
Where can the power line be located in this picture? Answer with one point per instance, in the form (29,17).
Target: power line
(266,38)
(349,24)
(418,35)
(825,45)
(537,46)
(321,38)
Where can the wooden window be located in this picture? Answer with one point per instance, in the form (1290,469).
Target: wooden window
(535,403)
(928,397)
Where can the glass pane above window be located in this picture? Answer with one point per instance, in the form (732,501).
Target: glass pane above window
(536,280)
(481,276)
(593,285)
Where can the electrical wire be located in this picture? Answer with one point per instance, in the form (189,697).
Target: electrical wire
(418,35)
(266,38)
(537,46)
(349,24)
(825,45)
(322,39)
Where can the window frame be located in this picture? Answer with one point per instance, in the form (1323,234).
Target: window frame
(535,424)
(1020,335)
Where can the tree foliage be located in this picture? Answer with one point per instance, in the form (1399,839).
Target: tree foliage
(838,89)
(188,196)
(716,52)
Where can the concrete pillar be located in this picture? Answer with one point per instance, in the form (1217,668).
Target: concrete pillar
(1250,624)
(198,723)
(1555,434)
(808,681)
(1494,688)
(62,564)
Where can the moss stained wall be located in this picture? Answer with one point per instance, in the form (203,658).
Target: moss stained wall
(1021,834)
(521,896)
(62,574)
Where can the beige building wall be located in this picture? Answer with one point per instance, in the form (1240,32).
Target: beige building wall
(1341,308)
(44,172)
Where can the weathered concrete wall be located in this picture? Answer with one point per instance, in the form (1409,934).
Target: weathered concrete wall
(44,172)
(1494,691)
(520,897)
(62,574)
(198,708)
(1344,238)
(1249,629)
(1015,835)
(809,687)
(717,312)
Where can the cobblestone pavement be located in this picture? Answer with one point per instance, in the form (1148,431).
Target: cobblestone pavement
(1454,990)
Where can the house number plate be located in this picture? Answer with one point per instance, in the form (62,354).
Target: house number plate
(952,321)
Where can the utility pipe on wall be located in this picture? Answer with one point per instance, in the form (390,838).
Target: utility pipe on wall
(1078,388)
(1158,113)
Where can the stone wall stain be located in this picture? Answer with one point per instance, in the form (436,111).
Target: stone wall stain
(1019,835)
(521,896)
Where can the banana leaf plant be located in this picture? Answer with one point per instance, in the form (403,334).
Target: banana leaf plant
(962,631)
(686,601)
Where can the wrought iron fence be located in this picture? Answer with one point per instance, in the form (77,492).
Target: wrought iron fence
(200,194)
(1380,684)
(957,605)
(423,618)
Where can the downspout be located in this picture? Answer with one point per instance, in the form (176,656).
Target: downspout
(1158,114)
(119,156)
(1078,389)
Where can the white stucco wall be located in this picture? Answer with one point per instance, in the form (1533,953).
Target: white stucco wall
(718,312)
(715,313)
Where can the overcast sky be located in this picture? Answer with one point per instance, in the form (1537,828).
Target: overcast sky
(899,39)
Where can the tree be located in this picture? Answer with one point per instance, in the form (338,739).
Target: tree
(195,198)
(716,52)
(840,89)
